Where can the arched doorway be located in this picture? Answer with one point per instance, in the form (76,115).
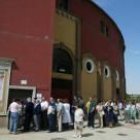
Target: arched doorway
(62,79)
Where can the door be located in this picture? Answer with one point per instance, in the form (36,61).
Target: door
(21,94)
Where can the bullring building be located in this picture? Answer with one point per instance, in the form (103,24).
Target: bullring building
(59,48)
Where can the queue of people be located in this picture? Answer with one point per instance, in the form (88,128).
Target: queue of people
(59,115)
(132,112)
(106,112)
(39,115)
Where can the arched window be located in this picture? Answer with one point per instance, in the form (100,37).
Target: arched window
(106,71)
(62,61)
(63,4)
(117,76)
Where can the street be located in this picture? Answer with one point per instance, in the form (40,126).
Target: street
(122,132)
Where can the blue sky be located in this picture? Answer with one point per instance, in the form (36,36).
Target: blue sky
(126,14)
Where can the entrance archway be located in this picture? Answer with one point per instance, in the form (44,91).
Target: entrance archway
(62,80)
(62,62)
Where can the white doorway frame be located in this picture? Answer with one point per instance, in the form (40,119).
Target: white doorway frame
(33,88)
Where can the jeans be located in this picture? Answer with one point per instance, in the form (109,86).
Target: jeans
(14,116)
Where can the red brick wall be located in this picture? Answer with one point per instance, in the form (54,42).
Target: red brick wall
(92,40)
(26,34)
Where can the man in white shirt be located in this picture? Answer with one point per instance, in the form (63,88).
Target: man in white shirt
(14,109)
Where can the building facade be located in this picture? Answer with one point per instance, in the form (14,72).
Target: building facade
(26,44)
(59,48)
(98,58)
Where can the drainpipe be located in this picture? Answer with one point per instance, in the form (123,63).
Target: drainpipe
(77,62)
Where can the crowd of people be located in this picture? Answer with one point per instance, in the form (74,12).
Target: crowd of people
(59,115)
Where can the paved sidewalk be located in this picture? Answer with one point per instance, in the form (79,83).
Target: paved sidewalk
(124,132)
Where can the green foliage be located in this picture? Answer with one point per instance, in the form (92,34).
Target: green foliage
(132,97)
